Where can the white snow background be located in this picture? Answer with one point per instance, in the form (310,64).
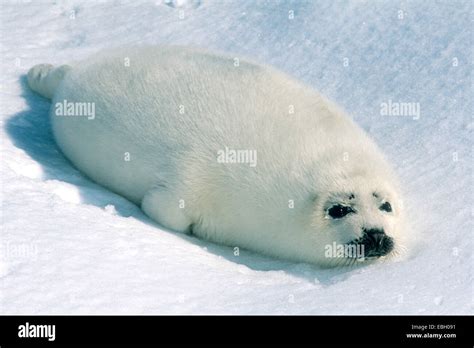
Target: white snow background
(69,246)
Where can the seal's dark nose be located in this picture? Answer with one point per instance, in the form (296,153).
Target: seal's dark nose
(376,236)
(376,242)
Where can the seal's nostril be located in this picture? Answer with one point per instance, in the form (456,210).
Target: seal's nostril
(375,235)
(373,231)
(376,242)
(378,238)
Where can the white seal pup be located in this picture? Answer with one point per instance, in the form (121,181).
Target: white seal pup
(232,151)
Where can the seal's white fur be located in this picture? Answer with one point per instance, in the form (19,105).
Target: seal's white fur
(171,110)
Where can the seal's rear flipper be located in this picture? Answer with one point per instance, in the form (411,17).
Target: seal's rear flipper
(44,78)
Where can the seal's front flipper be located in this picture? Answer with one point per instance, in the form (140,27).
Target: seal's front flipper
(167,209)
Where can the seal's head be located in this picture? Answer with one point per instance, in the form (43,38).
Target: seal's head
(359,221)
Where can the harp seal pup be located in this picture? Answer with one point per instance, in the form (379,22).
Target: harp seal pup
(231,151)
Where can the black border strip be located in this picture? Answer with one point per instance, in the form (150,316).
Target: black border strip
(224,330)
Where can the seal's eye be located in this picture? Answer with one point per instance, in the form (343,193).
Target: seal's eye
(339,211)
(386,207)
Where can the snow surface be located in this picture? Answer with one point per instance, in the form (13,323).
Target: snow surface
(70,246)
